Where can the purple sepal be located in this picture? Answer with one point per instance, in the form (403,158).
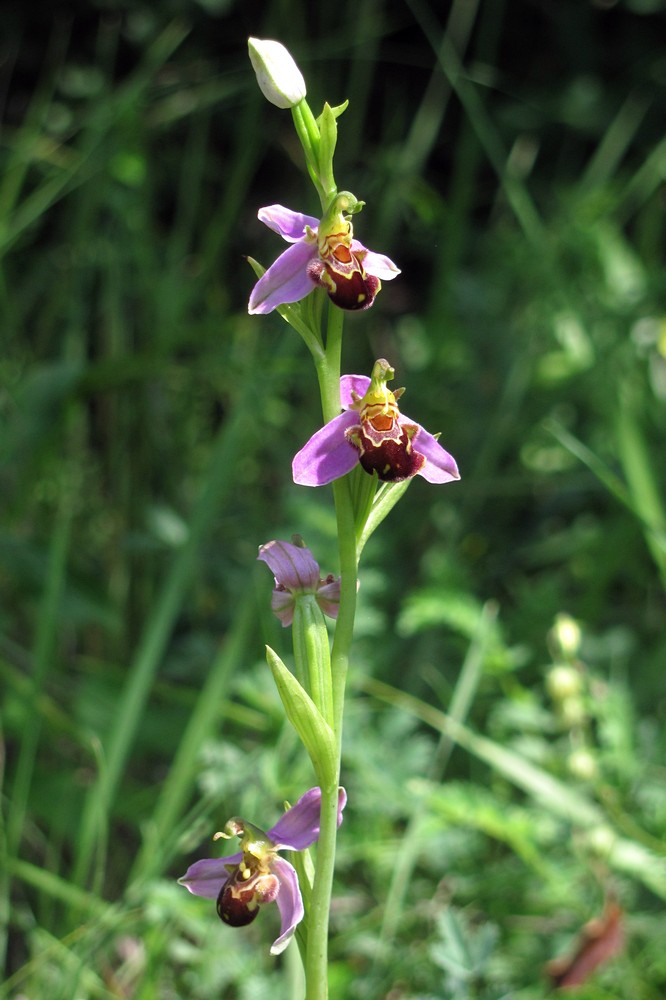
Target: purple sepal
(207,876)
(440,466)
(291,226)
(376,264)
(328,454)
(290,904)
(293,566)
(299,827)
(285,281)
(352,384)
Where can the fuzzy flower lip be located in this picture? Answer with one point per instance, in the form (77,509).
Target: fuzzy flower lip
(371,430)
(255,875)
(296,572)
(279,78)
(322,253)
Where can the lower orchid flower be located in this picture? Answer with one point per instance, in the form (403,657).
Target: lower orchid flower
(296,573)
(324,254)
(242,882)
(374,432)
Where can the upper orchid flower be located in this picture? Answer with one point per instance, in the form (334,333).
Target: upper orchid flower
(242,882)
(372,431)
(324,254)
(296,572)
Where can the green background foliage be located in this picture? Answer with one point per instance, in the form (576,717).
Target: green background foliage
(512,159)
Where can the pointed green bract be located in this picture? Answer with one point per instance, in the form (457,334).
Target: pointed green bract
(315,733)
(328,132)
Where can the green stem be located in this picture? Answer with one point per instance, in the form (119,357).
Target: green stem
(329,384)
(316,961)
(328,366)
(344,628)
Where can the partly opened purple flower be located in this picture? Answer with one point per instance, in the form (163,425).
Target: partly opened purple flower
(242,882)
(296,573)
(372,431)
(322,253)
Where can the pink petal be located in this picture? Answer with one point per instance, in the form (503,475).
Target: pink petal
(290,225)
(299,827)
(207,876)
(356,383)
(328,454)
(285,281)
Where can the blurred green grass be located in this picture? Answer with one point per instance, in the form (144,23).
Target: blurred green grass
(512,160)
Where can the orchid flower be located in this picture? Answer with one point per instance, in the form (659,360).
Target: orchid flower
(322,254)
(242,882)
(296,572)
(372,431)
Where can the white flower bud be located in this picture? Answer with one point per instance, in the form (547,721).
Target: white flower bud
(279,78)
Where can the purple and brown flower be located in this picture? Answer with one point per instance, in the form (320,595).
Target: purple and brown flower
(324,254)
(372,431)
(242,882)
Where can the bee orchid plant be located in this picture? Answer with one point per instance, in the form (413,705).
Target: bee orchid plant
(364,434)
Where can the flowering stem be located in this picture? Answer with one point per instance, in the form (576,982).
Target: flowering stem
(328,367)
(329,384)
(316,963)
(344,627)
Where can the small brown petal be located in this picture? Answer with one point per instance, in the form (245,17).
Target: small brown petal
(600,940)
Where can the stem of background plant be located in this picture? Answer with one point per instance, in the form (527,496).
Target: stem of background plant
(316,964)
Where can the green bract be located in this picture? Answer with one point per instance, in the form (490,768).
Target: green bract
(315,733)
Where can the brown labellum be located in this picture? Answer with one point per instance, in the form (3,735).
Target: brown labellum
(241,895)
(345,281)
(235,907)
(392,460)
